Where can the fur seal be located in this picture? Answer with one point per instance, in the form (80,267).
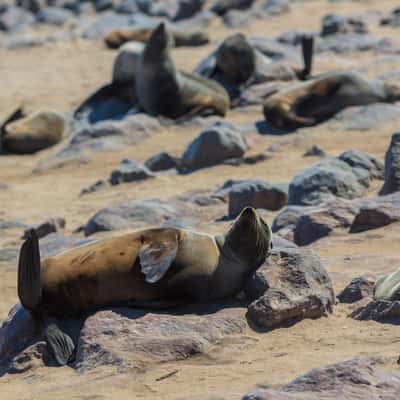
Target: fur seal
(309,103)
(150,268)
(163,90)
(23,134)
(388,287)
(118,37)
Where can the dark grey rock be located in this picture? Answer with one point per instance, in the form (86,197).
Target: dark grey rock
(127,7)
(290,286)
(349,42)
(392,166)
(8,224)
(358,289)
(130,171)
(53,16)
(161,162)
(32,6)
(333,24)
(94,187)
(216,143)
(281,243)
(378,310)
(173,10)
(257,194)
(221,7)
(103,5)
(314,151)
(45,228)
(392,19)
(288,217)
(105,24)
(15,18)
(275,7)
(375,216)
(352,379)
(137,214)
(274,49)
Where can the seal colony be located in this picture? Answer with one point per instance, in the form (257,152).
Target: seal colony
(309,103)
(151,268)
(164,90)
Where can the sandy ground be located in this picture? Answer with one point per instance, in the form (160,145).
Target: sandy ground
(59,77)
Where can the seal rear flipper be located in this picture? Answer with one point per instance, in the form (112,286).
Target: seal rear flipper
(156,256)
(29,283)
(60,344)
(297,121)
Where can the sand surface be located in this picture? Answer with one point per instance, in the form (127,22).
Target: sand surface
(59,76)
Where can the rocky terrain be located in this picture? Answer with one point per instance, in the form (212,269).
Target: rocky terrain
(306,325)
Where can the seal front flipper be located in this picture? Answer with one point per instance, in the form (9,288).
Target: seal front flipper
(29,283)
(61,345)
(157,254)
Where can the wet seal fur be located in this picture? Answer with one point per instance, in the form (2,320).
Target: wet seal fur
(314,101)
(163,90)
(118,37)
(151,268)
(388,287)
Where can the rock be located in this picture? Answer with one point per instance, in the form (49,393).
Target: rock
(129,338)
(392,166)
(94,187)
(161,162)
(288,218)
(221,7)
(281,243)
(358,289)
(33,133)
(130,171)
(291,285)
(364,118)
(375,216)
(274,49)
(137,214)
(257,194)
(8,254)
(216,143)
(393,19)
(5,224)
(347,177)
(30,358)
(15,18)
(45,228)
(32,6)
(275,7)
(103,5)
(348,42)
(124,70)
(174,10)
(53,16)
(378,310)
(333,24)
(257,94)
(352,379)
(105,24)
(128,7)
(314,151)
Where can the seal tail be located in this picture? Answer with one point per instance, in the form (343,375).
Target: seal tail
(29,283)
(307,47)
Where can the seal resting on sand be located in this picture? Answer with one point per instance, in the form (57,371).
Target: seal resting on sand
(309,103)
(148,268)
(163,90)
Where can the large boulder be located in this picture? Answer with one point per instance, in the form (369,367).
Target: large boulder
(136,214)
(392,166)
(216,143)
(352,379)
(257,194)
(290,286)
(347,176)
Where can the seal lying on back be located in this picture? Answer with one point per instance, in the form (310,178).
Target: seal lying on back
(315,101)
(388,287)
(145,268)
(163,90)
(118,37)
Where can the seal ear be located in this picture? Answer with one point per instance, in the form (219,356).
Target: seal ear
(156,256)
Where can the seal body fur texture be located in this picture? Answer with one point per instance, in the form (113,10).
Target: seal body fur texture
(309,103)
(164,90)
(388,287)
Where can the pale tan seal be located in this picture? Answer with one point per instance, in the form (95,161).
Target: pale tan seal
(28,134)
(118,37)
(164,90)
(309,103)
(142,268)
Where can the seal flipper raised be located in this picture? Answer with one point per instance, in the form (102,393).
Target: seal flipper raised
(29,283)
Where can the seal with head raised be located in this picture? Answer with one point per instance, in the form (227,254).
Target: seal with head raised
(164,90)
(148,268)
(309,103)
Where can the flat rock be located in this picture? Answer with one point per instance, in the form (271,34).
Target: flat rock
(161,162)
(392,166)
(346,176)
(352,379)
(216,143)
(358,289)
(174,10)
(130,171)
(378,310)
(221,7)
(137,214)
(257,194)
(346,43)
(291,285)
(333,24)
(53,16)
(374,216)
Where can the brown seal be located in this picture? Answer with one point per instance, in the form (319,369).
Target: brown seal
(118,37)
(154,266)
(309,103)
(163,90)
